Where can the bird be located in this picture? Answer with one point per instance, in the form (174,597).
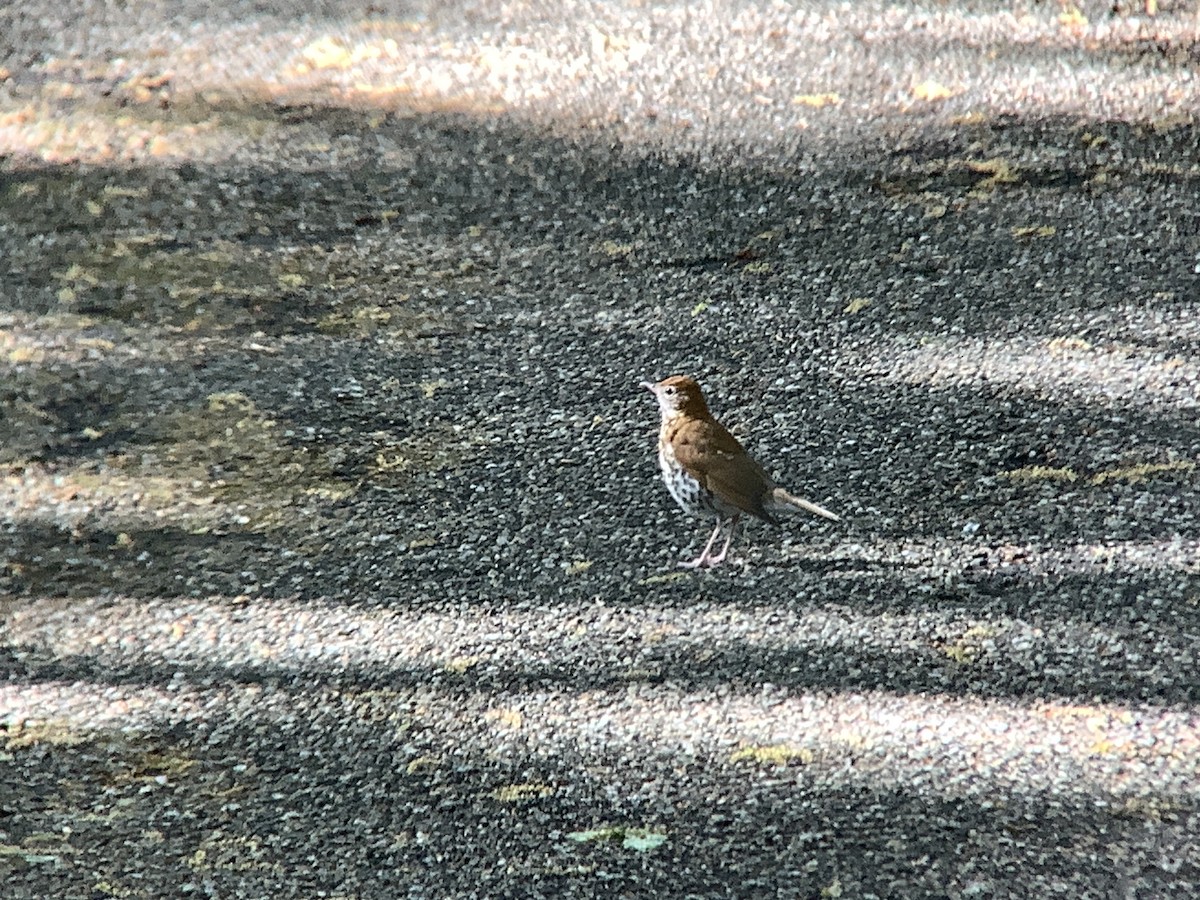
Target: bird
(709,473)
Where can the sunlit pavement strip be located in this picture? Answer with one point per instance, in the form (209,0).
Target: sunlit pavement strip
(537,67)
(953,662)
(302,636)
(1137,375)
(1097,753)
(1101,751)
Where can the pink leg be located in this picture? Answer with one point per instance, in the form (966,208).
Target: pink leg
(720,557)
(702,559)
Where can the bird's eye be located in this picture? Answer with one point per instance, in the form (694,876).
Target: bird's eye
(669,390)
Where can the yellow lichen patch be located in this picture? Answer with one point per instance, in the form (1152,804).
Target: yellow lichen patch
(429,388)
(223,450)
(215,287)
(960,653)
(774,754)
(1034,231)
(970,644)
(931,90)
(665,578)
(133,499)
(108,889)
(435,450)
(359,321)
(290,281)
(515,793)
(1040,473)
(65,123)
(578,567)
(1066,345)
(225,852)
(397,318)
(155,766)
(459,665)
(509,718)
(1172,122)
(976,632)
(422,762)
(1150,809)
(1105,747)
(326,53)
(857,305)
(997,171)
(1140,472)
(54,732)
(1072,19)
(660,633)
(348,49)
(18,356)
(616,249)
(194,467)
(817,100)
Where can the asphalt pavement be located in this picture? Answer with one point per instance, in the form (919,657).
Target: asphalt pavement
(333,556)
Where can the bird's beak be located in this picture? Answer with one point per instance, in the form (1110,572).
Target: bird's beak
(647,385)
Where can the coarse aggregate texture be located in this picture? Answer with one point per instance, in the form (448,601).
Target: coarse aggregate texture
(333,556)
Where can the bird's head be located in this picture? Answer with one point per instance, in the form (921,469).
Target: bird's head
(678,395)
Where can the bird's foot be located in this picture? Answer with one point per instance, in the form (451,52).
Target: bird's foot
(720,557)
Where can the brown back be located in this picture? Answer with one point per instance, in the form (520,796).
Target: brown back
(713,456)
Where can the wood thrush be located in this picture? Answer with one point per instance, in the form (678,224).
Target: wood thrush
(709,473)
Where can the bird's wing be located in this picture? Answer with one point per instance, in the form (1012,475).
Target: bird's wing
(713,456)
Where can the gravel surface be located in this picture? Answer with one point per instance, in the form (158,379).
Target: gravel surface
(333,556)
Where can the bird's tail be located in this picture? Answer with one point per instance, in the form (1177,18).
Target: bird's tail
(781,499)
